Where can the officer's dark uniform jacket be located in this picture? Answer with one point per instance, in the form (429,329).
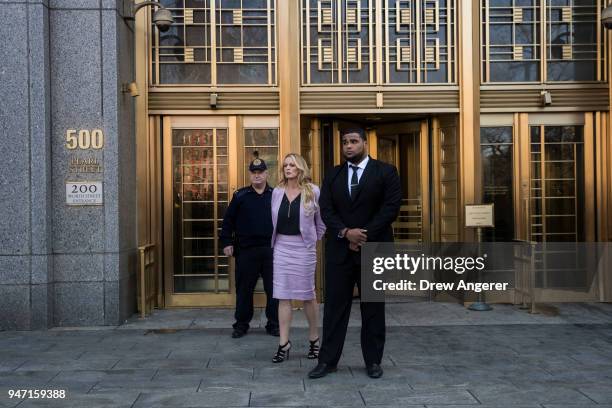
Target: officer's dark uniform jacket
(243,224)
(247,226)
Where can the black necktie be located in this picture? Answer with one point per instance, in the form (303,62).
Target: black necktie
(354,181)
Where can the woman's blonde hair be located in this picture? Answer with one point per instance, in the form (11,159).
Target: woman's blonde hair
(303,180)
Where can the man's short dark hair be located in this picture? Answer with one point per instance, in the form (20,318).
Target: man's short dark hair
(358,131)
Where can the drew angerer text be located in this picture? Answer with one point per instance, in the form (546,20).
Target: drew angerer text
(424,284)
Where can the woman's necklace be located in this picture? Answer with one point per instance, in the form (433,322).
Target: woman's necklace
(289,206)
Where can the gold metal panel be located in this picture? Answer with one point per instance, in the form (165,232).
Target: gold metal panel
(188,54)
(405,17)
(567,51)
(449,189)
(517,53)
(510,99)
(159,102)
(405,54)
(326,16)
(430,53)
(351,54)
(238,55)
(431,15)
(517,14)
(237,17)
(566,15)
(351,16)
(448,171)
(328,54)
(449,224)
(336,101)
(448,208)
(188,16)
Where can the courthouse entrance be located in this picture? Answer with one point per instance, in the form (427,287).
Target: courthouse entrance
(205,159)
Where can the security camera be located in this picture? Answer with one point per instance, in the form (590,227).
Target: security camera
(162,18)
(606,17)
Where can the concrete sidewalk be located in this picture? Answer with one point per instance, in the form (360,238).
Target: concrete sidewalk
(437,354)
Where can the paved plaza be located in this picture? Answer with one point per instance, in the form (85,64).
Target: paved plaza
(437,355)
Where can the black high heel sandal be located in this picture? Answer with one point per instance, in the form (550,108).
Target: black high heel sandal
(314,349)
(282,353)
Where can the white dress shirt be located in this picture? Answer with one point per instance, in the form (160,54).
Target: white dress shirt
(361,165)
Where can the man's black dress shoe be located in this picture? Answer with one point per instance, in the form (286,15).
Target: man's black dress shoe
(237,333)
(321,370)
(374,371)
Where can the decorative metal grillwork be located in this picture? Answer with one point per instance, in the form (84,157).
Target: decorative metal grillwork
(216,42)
(338,41)
(378,42)
(541,40)
(201,196)
(419,44)
(557,183)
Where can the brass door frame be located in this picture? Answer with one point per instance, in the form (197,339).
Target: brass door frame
(580,119)
(192,122)
(235,126)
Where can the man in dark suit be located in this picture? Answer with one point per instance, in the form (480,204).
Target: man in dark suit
(359,201)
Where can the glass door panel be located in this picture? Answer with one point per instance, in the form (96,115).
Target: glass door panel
(200,188)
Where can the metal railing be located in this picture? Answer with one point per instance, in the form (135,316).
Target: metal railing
(524,274)
(147,279)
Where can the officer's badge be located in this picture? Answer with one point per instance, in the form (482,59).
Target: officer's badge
(256,162)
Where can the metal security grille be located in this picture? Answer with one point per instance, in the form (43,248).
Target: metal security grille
(216,42)
(541,40)
(200,191)
(378,41)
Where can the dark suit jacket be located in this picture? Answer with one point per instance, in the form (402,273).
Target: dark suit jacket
(374,208)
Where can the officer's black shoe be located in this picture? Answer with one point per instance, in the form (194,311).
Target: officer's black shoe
(273,331)
(374,371)
(321,370)
(237,333)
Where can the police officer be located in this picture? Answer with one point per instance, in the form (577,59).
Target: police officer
(246,234)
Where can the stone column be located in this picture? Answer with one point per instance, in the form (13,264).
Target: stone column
(26,290)
(63,63)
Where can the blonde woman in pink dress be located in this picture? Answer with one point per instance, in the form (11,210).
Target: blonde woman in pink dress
(297,226)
